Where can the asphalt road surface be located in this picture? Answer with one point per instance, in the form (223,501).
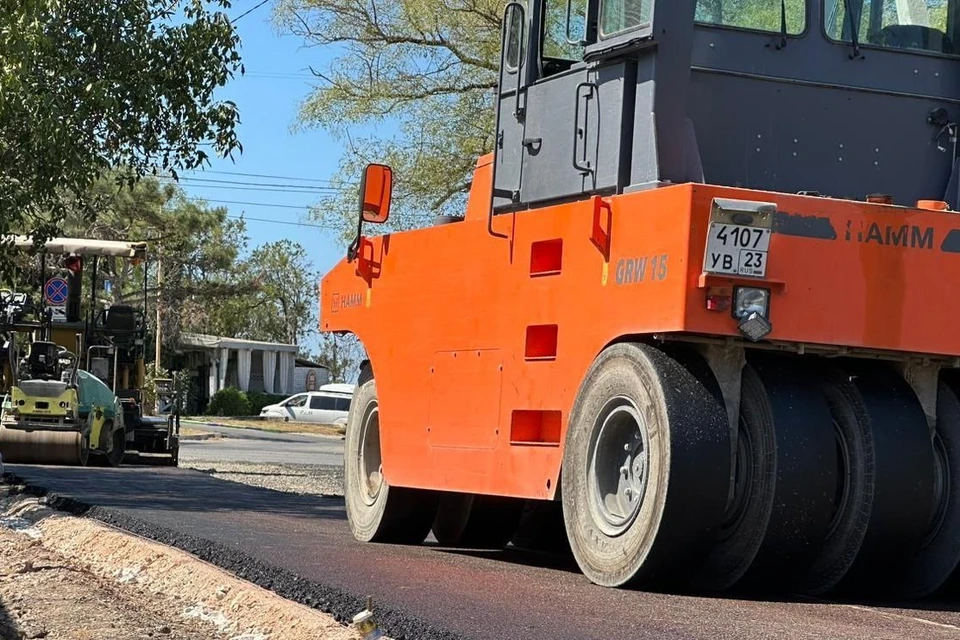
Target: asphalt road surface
(250,445)
(494,596)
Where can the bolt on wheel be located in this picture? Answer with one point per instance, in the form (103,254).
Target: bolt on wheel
(618,465)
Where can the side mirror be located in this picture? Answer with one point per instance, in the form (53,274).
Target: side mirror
(375,191)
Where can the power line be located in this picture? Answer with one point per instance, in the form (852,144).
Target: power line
(255,204)
(296,224)
(256,184)
(261,175)
(312,192)
(252,9)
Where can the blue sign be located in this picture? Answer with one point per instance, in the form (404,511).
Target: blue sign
(55,291)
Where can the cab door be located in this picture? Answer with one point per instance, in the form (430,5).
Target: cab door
(511,116)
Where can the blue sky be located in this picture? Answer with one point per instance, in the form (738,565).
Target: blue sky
(276,81)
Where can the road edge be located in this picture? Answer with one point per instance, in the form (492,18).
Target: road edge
(330,600)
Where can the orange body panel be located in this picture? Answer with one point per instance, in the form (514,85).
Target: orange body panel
(479,343)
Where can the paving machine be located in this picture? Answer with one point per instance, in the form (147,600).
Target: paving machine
(702,299)
(114,338)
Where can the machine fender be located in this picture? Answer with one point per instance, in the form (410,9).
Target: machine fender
(98,420)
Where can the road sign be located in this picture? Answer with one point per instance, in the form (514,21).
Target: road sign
(55,292)
(58,313)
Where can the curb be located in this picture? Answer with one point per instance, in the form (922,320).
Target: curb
(331,600)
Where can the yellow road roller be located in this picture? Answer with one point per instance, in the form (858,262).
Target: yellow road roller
(58,414)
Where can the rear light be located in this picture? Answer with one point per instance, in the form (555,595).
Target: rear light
(752,309)
(751,300)
(719,298)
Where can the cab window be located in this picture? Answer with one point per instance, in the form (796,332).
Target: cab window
(919,25)
(754,15)
(617,16)
(296,401)
(515,37)
(324,403)
(564,40)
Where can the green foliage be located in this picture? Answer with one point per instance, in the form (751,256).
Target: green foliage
(229,402)
(341,354)
(428,65)
(280,301)
(259,400)
(85,86)
(208,281)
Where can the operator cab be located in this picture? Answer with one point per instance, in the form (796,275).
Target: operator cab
(843,98)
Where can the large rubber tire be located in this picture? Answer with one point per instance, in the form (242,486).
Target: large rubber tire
(903,481)
(939,554)
(376,511)
(541,528)
(637,404)
(746,517)
(855,481)
(806,473)
(476,521)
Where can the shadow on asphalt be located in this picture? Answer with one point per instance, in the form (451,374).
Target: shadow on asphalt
(168,489)
(947,601)
(520,557)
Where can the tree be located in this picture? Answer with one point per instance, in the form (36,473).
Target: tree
(428,66)
(195,246)
(86,86)
(341,354)
(280,303)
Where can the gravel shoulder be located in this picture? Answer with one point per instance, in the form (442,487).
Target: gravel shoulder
(304,479)
(273,426)
(70,578)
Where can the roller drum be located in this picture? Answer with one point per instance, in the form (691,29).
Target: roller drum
(43,447)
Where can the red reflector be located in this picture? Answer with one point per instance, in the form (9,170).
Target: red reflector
(719,298)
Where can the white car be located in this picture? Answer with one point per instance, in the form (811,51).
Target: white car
(330,404)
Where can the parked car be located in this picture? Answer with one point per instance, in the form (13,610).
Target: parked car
(330,404)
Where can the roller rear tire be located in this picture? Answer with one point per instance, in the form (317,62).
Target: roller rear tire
(939,553)
(806,473)
(746,517)
(645,469)
(376,511)
(476,521)
(903,485)
(853,499)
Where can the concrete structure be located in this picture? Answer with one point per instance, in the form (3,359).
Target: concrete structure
(249,365)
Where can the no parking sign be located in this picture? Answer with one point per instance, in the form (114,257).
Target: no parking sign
(55,296)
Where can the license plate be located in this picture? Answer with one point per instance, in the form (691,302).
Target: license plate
(736,249)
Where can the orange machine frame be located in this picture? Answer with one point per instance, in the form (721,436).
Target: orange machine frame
(479,343)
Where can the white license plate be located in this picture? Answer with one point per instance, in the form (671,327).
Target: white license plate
(737,250)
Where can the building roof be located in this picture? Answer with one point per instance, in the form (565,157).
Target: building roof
(309,364)
(203,341)
(86,246)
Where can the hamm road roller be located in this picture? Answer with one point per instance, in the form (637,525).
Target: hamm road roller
(702,300)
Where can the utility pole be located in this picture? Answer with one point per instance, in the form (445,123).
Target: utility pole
(156,356)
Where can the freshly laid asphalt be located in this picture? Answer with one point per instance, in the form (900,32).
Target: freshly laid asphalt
(301,547)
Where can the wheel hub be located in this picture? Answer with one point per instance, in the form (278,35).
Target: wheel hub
(618,467)
(370,462)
